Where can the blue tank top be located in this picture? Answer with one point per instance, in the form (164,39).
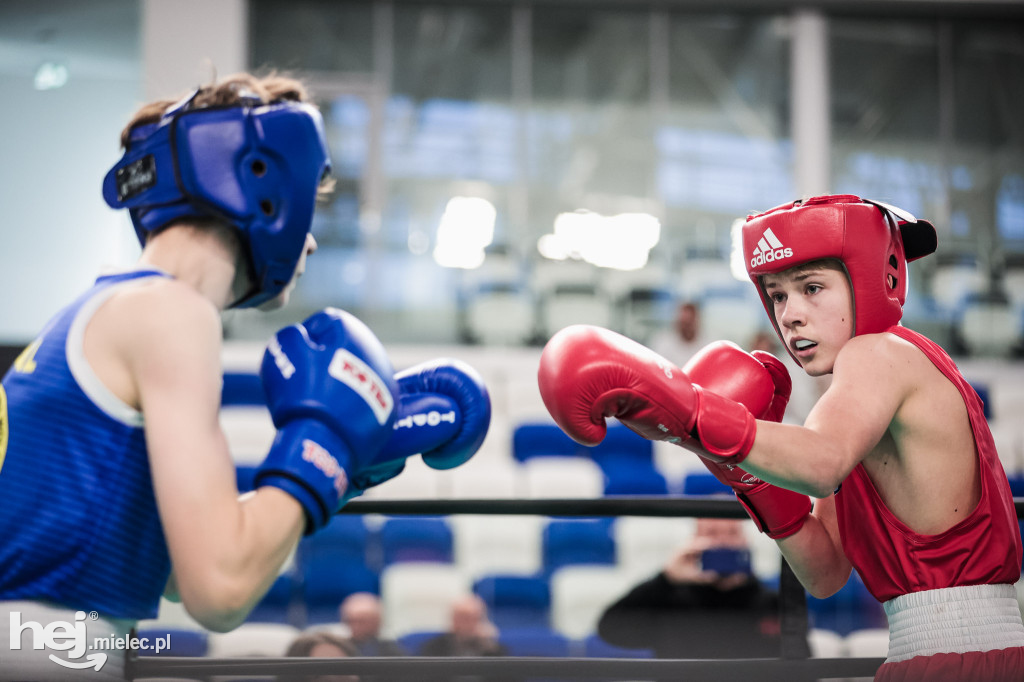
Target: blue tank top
(78,519)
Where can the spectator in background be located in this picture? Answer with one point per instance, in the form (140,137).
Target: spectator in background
(766,341)
(705,603)
(320,644)
(471,633)
(361,612)
(682,341)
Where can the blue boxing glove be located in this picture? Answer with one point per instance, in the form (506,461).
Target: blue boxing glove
(444,412)
(331,392)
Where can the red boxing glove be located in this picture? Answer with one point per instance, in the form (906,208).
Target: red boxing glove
(588,374)
(761,383)
(783,386)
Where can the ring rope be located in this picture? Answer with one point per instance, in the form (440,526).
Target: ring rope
(416,668)
(638,505)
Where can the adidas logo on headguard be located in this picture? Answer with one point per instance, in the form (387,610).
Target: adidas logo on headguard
(769,249)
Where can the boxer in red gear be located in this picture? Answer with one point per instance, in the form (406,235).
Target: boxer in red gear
(921,505)
(909,487)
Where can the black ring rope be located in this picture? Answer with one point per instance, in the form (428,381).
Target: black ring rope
(641,505)
(633,505)
(417,668)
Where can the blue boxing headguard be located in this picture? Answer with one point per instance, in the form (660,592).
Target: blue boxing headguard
(255,166)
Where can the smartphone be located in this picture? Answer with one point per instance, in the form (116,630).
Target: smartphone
(725,560)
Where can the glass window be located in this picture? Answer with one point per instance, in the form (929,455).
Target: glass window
(926,114)
(886,113)
(536,111)
(312,35)
(723,143)
(988,137)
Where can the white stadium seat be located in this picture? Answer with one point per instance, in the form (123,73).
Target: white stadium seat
(497,544)
(580,594)
(253,639)
(417,597)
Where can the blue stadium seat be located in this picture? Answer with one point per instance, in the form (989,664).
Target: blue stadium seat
(412,641)
(344,538)
(982,391)
(542,439)
(332,564)
(534,642)
(325,584)
(242,388)
(178,641)
(577,541)
(704,483)
(244,476)
(276,604)
(639,479)
(620,446)
(416,539)
(595,647)
(851,608)
(515,601)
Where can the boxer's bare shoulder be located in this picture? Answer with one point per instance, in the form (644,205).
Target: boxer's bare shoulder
(162,323)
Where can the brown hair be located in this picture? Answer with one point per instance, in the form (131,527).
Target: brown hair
(228,92)
(304,644)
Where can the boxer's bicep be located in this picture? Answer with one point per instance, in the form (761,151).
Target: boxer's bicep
(174,361)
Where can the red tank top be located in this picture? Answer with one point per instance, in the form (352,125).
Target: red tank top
(892,559)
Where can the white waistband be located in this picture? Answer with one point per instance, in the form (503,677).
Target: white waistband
(953,620)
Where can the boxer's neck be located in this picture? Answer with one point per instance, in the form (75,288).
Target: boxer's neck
(199,258)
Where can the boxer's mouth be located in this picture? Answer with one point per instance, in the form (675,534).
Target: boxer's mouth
(800,345)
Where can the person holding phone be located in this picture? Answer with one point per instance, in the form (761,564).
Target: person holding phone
(705,603)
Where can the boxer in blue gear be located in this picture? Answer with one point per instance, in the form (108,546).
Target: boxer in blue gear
(113,464)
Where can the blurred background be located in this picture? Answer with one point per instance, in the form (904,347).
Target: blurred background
(507,168)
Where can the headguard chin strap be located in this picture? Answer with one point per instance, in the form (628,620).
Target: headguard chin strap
(874,242)
(255,166)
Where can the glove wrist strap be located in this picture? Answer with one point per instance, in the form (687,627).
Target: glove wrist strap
(310,462)
(724,427)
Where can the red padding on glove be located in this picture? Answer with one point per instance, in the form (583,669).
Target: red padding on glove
(777,512)
(725,428)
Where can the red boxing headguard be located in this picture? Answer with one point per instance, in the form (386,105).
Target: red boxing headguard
(873,241)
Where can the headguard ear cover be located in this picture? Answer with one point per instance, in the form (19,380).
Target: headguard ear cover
(257,168)
(873,241)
